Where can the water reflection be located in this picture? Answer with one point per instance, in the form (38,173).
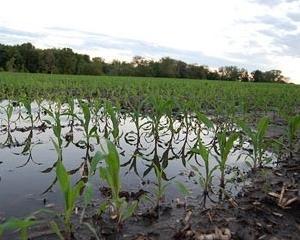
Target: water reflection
(156,140)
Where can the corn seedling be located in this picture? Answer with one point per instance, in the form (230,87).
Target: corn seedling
(120,208)
(257,138)
(161,186)
(22,225)
(225,146)
(206,179)
(70,193)
(293,127)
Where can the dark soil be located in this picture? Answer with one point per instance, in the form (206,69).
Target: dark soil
(267,209)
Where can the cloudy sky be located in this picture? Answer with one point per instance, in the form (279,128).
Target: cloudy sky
(262,34)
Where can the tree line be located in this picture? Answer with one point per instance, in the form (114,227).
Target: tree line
(27,58)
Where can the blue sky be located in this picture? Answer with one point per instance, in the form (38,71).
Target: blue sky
(262,34)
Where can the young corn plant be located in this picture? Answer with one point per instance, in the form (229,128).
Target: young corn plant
(161,186)
(85,122)
(205,180)
(56,127)
(21,225)
(257,138)
(120,208)
(226,144)
(89,192)
(113,114)
(70,193)
(293,127)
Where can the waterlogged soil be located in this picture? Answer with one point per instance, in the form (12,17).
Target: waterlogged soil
(254,206)
(268,207)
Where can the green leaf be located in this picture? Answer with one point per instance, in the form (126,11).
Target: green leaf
(1,230)
(103,173)
(113,169)
(9,111)
(48,112)
(93,130)
(92,229)
(86,114)
(96,159)
(262,128)
(57,148)
(229,144)
(88,194)
(56,230)
(128,209)
(182,188)
(103,207)
(204,153)
(64,181)
(19,224)
(207,122)
(246,129)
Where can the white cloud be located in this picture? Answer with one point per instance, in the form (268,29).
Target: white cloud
(233,31)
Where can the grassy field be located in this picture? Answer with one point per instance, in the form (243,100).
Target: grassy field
(187,95)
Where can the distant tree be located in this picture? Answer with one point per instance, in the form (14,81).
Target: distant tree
(82,61)
(27,58)
(3,56)
(95,67)
(10,65)
(274,76)
(65,61)
(181,69)
(230,73)
(140,67)
(47,61)
(199,72)
(257,76)
(30,57)
(168,67)
(244,76)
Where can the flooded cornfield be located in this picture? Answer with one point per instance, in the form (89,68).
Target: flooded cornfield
(128,159)
(154,149)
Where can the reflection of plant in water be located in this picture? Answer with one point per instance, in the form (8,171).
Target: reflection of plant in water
(27,150)
(167,138)
(71,118)
(186,129)
(8,110)
(134,139)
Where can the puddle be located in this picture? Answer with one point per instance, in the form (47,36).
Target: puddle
(27,156)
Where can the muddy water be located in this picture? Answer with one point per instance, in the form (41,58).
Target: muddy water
(27,156)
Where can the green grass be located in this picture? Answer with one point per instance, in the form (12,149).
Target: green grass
(128,92)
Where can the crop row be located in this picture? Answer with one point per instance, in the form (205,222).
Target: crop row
(229,131)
